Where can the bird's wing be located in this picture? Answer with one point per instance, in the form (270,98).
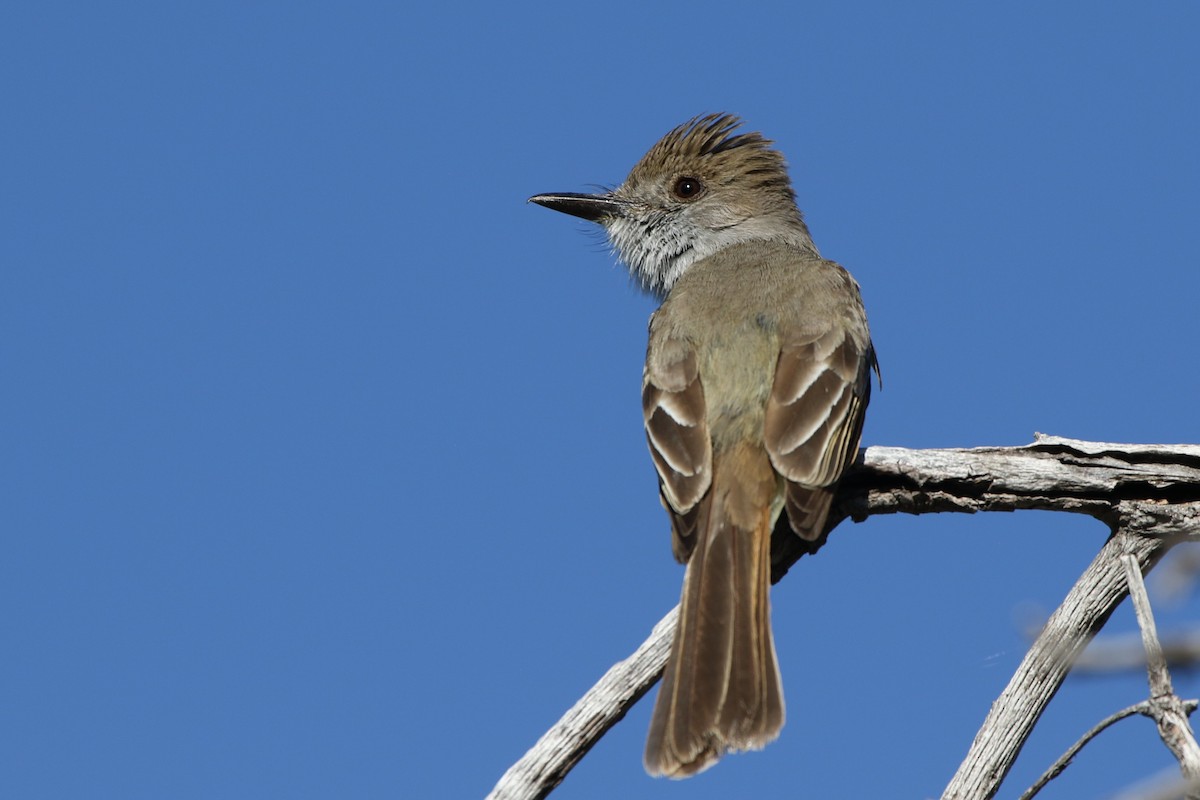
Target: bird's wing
(814,417)
(677,430)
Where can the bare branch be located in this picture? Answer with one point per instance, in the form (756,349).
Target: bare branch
(1146,529)
(1151,489)
(1167,709)
(1066,758)
(1086,608)
(1115,483)
(561,747)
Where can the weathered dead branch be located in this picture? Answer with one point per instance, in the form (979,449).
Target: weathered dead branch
(1148,495)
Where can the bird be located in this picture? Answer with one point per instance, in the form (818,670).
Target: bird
(754,392)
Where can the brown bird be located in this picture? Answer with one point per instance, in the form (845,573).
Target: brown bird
(756,383)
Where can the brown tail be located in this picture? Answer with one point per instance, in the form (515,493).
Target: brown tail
(721,689)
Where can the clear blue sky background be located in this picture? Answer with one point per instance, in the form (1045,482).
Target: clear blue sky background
(323,473)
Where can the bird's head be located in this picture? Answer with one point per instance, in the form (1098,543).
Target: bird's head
(703,187)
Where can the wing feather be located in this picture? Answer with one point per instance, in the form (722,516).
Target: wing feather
(676,422)
(814,417)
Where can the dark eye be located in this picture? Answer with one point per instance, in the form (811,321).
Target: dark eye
(686,188)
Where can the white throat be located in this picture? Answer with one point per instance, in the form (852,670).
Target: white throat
(658,246)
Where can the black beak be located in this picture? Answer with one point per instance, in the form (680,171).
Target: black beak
(592,207)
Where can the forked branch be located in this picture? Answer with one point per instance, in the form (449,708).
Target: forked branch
(1148,495)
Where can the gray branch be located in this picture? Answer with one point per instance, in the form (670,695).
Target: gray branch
(1168,710)
(1086,608)
(1144,708)
(1149,495)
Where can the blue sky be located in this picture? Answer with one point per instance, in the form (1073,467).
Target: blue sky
(324,473)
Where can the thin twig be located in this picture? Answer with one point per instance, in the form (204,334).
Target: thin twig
(1168,710)
(1064,761)
(1156,662)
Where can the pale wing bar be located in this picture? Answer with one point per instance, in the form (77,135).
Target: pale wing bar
(814,420)
(674,412)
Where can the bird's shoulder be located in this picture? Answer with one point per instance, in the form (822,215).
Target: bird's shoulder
(771,283)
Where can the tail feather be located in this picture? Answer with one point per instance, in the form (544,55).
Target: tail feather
(721,690)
